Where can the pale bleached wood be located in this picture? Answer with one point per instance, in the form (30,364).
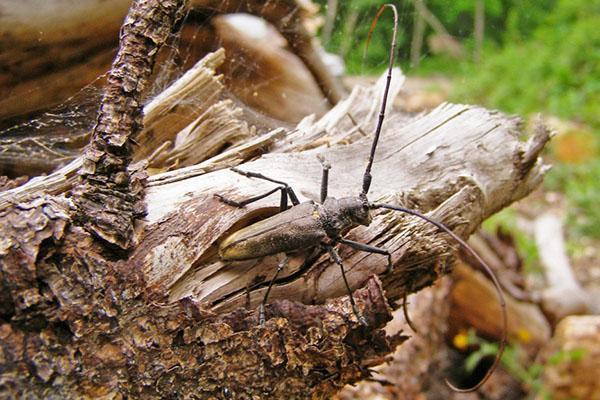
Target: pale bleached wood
(563,294)
(290,18)
(262,71)
(181,126)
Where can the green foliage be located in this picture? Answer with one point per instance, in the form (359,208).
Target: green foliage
(554,68)
(557,70)
(581,184)
(540,55)
(351,39)
(512,360)
(523,17)
(457,16)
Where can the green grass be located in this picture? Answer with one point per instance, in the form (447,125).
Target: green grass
(530,376)
(581,185)
(557,70)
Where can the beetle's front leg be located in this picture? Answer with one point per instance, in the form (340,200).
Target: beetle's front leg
(338,260)
(286,191)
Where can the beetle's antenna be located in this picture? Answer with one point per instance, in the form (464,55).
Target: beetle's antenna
(406,316)
(487,269)
(367,176)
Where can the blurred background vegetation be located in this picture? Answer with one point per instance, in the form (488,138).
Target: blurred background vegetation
(520,56)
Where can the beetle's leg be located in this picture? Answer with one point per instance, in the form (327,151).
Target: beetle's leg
(289,190)
(406,316)
(338,260)
(369,249)
(324,178)
(261,309)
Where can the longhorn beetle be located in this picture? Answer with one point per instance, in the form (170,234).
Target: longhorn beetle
(324,224)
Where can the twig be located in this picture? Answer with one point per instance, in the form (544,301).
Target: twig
(108,198)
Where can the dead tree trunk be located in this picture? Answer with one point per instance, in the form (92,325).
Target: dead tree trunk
(169,318)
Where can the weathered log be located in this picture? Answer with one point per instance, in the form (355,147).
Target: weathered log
(408,157)
(420,162)
(446,163)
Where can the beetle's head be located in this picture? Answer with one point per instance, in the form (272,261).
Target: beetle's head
(356,210)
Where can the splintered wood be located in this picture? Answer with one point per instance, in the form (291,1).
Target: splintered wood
(444,163)
(179,126)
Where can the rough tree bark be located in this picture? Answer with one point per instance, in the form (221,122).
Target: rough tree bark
(169,319)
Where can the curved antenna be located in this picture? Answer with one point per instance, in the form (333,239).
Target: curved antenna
(487,269)
(367,176)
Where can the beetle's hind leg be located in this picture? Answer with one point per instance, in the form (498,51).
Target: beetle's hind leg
(290,192)
(369,249)
(338,260)
(261,309)
(286,191)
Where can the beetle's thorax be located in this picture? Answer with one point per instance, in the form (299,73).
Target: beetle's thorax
(340,215)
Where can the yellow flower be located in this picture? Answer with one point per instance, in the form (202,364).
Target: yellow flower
(524,335)
(461,341)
